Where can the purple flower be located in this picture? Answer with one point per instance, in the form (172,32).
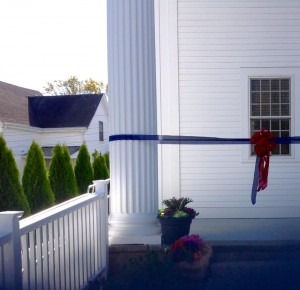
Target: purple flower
(188,248)
(190,211)
(168,212)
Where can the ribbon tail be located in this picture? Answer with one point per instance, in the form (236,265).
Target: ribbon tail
(263,173)
(255,180)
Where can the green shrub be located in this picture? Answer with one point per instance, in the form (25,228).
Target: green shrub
(99,166)
(83,169)
(61,174)
(35,180)
(12,196)
(106,157)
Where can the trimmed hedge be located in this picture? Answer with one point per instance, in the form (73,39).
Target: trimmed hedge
(61,174)
(12,196)
(35,181)
(106,157)
(99,166)
(83,169)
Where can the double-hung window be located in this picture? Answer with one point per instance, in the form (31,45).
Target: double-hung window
(101,131)
(270,108)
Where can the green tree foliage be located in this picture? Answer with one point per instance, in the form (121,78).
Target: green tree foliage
(12,196)
(61,174)
(83,169)
(73,86)
(106,157)
(99,166)
(35,181)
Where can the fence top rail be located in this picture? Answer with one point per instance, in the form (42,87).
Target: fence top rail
(5,238)
(56,212)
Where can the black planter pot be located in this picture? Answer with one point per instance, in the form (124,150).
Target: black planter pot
(174,228)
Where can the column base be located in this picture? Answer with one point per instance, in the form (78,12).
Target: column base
(134,229)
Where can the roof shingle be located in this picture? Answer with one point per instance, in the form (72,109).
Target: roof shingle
(14,104)
(62,111)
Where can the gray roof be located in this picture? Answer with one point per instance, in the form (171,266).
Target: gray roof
(47,150)
(63,111)
(14,104)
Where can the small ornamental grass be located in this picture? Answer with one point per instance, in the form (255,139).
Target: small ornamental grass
(189,248)
(177,208)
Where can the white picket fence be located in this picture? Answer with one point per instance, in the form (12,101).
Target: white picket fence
(61,248)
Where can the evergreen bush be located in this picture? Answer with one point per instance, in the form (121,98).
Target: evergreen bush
(106,157)
(61,174)
(35,181)
(12,196)
(83,169)
(99,166)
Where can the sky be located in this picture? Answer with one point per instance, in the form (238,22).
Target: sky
(46,40)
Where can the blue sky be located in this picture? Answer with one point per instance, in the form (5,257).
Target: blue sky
(46,40)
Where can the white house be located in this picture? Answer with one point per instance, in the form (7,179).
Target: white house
(201,68)
(69,120)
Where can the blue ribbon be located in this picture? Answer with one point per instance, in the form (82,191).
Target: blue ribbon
(169,139)
(255,181)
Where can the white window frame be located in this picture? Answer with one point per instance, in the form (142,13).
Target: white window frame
(270,117)
(293,73)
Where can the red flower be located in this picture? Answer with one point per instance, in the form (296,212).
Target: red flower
(188,248)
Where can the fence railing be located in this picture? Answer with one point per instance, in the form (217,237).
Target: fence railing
(63,247)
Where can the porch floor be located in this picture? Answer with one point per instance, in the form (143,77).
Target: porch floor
(233,231)
(248,231)
(248,254)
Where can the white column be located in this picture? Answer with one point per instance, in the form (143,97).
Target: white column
(132,101)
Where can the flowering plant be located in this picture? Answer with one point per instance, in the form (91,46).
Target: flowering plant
(189,248)
(177,208)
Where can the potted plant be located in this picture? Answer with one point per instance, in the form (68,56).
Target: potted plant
(191,255)
(175,219)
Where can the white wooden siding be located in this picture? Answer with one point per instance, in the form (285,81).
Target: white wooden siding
(19,137)
(63,136)
(215,40)
(92,134)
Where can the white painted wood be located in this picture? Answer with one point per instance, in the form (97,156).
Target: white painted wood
(131,58)
(51,255)
(166,40)
(10,250)
(92,133)
(54,246)
(220,45)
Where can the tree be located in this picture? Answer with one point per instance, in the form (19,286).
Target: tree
(99,166)
(106,157)
(83,169)
(12,196)
(35,181)
(61,174)
(73,86)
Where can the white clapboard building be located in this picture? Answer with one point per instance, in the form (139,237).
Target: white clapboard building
(201,68)
(69,120)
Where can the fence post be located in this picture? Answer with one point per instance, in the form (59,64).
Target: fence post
(99,187)
(9,225)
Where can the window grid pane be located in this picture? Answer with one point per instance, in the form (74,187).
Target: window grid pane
(270,109)
(101,131)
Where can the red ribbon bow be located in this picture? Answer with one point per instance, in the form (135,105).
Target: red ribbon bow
(264,144)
